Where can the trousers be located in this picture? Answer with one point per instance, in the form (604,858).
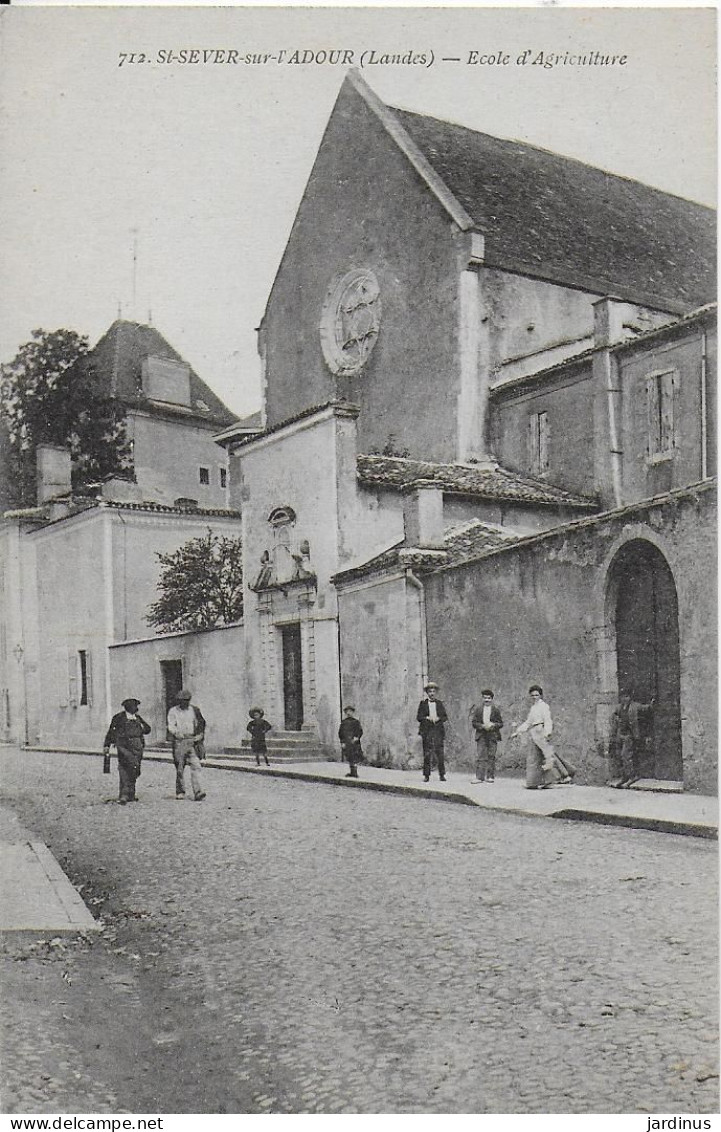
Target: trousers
(433,748)
(128,772)
(486,744)
(184,754)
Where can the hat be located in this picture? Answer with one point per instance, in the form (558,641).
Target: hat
(349,707)
(183,694)
(256,711)
(430,685)
(131,700)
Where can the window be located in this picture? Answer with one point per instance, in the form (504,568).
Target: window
(83,675)
(659,401)
(539,443)
(205,476)
(223,477)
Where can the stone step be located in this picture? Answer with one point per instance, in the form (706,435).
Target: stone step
(299,739)
(277,756)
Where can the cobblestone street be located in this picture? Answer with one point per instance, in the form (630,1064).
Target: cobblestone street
(290,947)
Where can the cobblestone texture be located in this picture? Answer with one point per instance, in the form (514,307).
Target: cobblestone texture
(286,947)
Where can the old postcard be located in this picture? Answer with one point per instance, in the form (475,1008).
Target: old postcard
(358,449)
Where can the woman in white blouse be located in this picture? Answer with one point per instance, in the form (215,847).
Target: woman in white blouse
(543,766)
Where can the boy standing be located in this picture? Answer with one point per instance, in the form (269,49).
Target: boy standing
(349,733)
(258,727)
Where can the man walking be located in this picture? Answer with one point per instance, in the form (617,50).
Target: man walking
(127,733)
(187,727)
(431,718)
(487,723)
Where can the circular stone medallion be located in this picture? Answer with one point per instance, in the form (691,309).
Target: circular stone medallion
(350,321)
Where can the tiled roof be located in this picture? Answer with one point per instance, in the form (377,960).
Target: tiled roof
(556,217)
(460,544)
(238,428)
(384,473)
(118,359)
(166,509)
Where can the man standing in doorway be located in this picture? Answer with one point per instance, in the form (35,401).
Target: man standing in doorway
(431,718)
(626,742)
(187,727)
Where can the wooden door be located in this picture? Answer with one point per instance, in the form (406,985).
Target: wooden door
(292,677)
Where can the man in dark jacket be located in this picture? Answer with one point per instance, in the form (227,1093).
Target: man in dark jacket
(431,717)
(127,733)
(349,733)
(487,723)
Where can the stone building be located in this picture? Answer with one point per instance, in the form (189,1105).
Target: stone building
(79,571)
(488,446)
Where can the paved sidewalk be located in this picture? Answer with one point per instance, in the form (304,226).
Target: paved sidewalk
(35,894)
(694,815)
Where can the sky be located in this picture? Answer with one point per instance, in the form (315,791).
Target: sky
(208,162)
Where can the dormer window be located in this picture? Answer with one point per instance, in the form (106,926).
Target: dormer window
(165,379)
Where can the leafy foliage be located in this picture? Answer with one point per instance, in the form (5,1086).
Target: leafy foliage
(49,395)
(201,585)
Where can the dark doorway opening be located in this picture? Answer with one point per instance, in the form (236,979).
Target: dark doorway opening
(172,671)
(292,677)
(647,652)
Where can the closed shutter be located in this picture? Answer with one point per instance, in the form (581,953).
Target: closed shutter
(89,676)
(653,409)
(72,663)
(61,676)
(544,439)
(666,415)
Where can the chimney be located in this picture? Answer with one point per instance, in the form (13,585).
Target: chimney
(53,470)
(423,514)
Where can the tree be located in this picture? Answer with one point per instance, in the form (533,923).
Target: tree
(49,394)
(201,585)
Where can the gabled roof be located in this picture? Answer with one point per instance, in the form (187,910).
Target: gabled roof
(393,473)
(118,358)
(557,218)
(460,544)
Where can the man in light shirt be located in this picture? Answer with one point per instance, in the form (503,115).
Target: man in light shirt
(186,729)
(431,717)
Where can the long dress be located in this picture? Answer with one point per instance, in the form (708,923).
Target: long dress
(540,752)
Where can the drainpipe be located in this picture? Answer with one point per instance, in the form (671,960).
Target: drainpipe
(704,408)
(419,587)
(612,392)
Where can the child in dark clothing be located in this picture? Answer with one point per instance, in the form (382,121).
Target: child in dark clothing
(349,733)
(258,727)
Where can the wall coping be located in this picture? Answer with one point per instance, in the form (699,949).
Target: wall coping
(177,633)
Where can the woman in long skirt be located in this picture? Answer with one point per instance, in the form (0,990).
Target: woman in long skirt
(543,766)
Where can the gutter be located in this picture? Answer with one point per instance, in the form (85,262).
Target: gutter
(420,589)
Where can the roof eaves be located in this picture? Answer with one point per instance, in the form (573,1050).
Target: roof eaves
(688,492)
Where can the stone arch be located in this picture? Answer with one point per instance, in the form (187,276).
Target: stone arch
(638,645)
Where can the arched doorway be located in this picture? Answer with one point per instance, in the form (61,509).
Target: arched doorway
(644,610)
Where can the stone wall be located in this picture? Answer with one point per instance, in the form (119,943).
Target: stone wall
(214,670)
(537,613)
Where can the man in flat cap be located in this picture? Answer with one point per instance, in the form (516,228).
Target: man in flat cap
(187,727)
(127,733)
(431,717)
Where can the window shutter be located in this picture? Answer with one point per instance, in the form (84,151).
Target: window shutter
(89,675)
(532,443)
(653,415)
(61,676)
(666,415)
(544,437)
(72,668)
